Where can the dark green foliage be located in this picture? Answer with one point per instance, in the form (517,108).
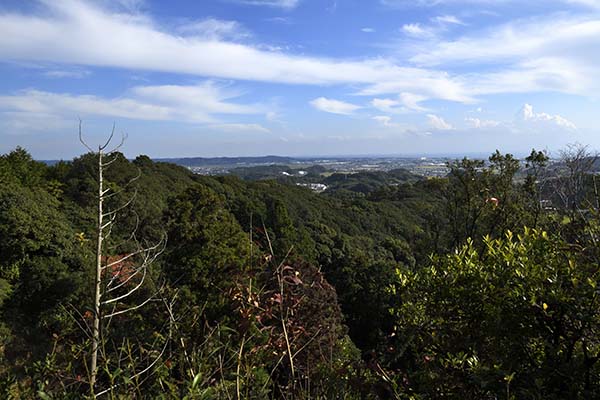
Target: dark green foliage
(207,250)
(367,182)
(280,292)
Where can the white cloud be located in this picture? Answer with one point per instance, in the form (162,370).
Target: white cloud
(447,19)
(77,32)
(587,3)
(207,96)
(22,122)
(551,37)
(417,30)
(556,53)
(280,20)
(64,73)
(239,128)
(128,5)
(489,3)
(411,101)
(383,120)
(387,122)
(553,54)
(272,116)
(192,104)
(433,3)
(478,123)
(286,4)
(528,115)
(385,105)
(428,84)
(404,103)
(215,29)
(368,30)
(438,123)
(334,106)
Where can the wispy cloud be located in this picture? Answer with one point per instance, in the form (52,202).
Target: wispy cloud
(478,123)
(280,20)
(526,121)
(239,128)
(192,104)
(75,32)
(334,106)
(67,73)
(438,123)
(387,122)
(488,3)
(215,29)
(528,115)
(417,30)
(447,19)
(405,102)
(285,4)
(557,53)
(383,120)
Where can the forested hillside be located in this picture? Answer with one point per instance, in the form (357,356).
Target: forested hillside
(473,286)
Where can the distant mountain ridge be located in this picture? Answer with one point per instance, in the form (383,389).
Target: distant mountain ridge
(202,161)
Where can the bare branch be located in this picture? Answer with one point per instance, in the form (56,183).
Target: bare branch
(110,222)
(135,289)
(139,251)
(132,180)
(112,133)
(136,307)
(147,261)
(81,138)
(122,207)
(86,330)
(112,157)
(116,148)
(132,236)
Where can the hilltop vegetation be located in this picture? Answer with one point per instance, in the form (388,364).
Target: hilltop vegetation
(472,286)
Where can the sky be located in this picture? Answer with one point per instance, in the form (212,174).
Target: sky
(299,77)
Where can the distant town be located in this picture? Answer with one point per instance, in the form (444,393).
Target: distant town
(422,166)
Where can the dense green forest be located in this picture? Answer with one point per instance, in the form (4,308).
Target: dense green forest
(478,285)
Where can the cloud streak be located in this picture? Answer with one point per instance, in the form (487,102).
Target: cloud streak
(557,53)
(528,115)
(334,106)
(75,32)
(438,123)
(285,4)
(191,104)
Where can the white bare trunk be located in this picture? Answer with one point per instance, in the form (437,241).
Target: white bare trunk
(98,280)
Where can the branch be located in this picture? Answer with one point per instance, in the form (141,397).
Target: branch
(139,251)
(108,163)
(147,261)
(112,133)
(125,186)
(135,289)
(123,138)
(149,299)
(133,232)
(127,204)
(83,141)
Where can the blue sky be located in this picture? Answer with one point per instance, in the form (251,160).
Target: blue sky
(300,77)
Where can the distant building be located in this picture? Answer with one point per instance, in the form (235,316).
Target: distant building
(316,187)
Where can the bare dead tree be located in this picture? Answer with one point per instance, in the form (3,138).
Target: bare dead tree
(116,279)
(577,163)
